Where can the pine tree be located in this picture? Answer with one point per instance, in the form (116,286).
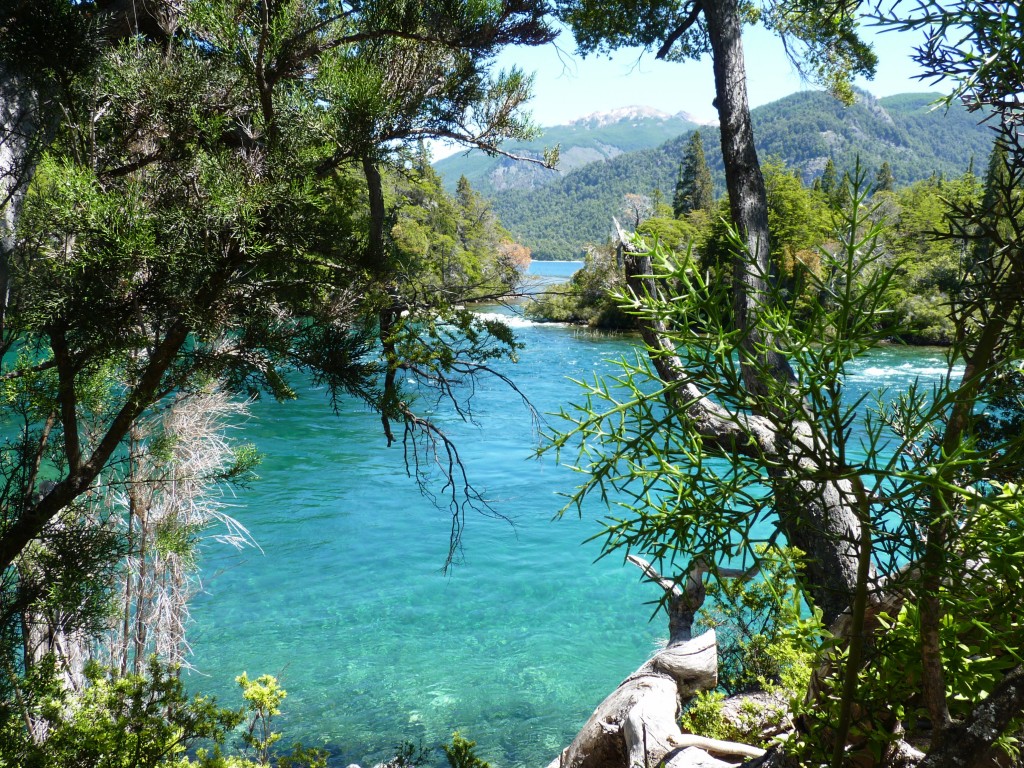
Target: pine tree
(464,193)
(884,179)
(694,188)
(678,196)
(996,176)
(829,180)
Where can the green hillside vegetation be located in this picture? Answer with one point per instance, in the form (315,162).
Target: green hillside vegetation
(804,130)
(580,143)
(453,243)
(800,220)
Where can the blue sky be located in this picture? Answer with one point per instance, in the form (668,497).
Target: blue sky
(567,86)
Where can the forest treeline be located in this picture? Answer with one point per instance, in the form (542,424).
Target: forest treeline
(805,130)
(802,221)
(205,200)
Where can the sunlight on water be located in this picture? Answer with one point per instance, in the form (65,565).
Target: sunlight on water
(348,604)
(515,320)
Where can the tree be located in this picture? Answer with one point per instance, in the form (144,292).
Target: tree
(196,193)
(637,208)
(447,248)
(687,499)
(782,428)
(884,180)
(824,34)
(375,76)
(829,184)
(927,269)
(694,188)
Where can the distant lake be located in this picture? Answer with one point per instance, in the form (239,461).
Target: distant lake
(562,269)
(542,274)
(347,603)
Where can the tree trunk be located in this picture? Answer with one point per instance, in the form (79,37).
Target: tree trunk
(16,131)
(637,725)
(967,744)
(818,517)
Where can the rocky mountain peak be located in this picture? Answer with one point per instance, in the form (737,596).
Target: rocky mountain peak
(621,114)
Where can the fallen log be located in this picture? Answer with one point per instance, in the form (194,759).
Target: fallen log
(637,725)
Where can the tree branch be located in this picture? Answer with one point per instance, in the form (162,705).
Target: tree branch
(18,535)
(679,31)
(20,372)
(742,434)
(67,399)
(967,744)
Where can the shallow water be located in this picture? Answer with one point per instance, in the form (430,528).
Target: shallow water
(347,604)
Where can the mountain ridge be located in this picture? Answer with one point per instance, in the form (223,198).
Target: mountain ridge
(557,218)
(587,139)
(634,112)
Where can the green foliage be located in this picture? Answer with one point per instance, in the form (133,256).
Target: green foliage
(678,502)
(133,721)
(680,491)
(926,267)
(588,297)
(141,721)
(1002,418)
(241,470)
(884,180)
(674,234)
(461,753)
(981,636)
(703,715)
(829,184)
(263,698)
(798,222)
(929,266)
(203,215)
(677,499)
(694,189)
(765,643)
(798,226)
(449,248)
(557,220)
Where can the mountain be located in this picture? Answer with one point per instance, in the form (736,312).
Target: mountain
(804,129)
(807,128)
(596,137)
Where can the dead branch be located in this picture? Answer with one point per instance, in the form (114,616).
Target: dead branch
(638,723)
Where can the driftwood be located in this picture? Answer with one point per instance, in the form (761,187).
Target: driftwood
(637,725)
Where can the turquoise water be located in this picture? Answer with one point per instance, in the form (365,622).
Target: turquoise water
(543,274)
(348,606)
(558,269)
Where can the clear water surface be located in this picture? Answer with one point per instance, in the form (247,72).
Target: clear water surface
(348,606)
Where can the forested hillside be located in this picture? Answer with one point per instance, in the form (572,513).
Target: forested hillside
(804,130)
(594,138)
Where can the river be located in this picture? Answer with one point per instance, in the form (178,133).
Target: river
(347,603)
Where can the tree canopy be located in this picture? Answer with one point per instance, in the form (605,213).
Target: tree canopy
(222,195)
